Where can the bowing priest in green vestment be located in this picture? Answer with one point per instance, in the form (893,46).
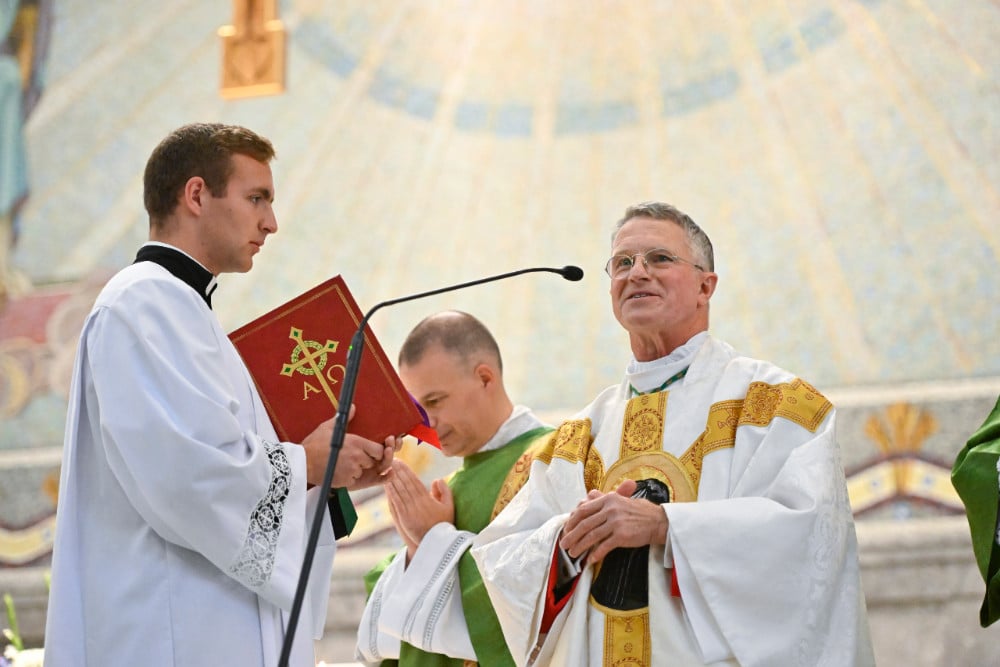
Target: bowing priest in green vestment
(427,604)
(976,477)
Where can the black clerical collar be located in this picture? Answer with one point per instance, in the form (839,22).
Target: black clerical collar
(183,267)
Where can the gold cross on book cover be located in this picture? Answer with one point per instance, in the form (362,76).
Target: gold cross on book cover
(297,354)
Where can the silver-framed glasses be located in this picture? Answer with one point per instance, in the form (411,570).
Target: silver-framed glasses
(657,258)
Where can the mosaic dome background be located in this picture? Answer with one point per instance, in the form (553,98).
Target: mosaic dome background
(843,156)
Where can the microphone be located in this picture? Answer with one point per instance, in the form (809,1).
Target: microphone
(573,273)
(569,272)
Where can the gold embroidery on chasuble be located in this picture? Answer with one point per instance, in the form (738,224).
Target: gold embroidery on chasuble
(572,442)
(626,637)
(642,427)
(641,455)
(517,476)
(719,433)
(797,401)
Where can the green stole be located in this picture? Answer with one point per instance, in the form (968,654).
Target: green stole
(974,476)
(475,487)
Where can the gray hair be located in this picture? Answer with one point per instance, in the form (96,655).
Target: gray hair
(698,241)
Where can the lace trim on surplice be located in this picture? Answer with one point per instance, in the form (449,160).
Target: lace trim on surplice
(255,562)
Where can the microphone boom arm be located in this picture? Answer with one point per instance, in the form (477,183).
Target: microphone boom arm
(351,368)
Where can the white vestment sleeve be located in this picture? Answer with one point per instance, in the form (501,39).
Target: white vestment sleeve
(514,552)
(776,576)
(176,446)
(710,639)
(374,645)
(420,603)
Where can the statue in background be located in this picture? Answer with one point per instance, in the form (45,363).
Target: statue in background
(24,30)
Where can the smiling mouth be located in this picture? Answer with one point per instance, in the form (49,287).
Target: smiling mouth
(639,295)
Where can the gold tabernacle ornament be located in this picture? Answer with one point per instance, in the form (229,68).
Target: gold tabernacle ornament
(253,50)
(309,358)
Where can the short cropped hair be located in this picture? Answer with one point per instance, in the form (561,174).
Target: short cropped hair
(458,333)
(197,149)
(698,241)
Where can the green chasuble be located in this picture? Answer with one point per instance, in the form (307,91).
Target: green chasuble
(475,487)
(975,477)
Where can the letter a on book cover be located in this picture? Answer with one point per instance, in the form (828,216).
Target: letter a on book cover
(297,354)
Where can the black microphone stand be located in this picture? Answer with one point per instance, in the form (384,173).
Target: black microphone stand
(351,369)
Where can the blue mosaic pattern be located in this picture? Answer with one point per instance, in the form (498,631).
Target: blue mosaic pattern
(843,157)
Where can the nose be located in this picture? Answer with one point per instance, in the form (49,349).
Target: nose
(638,260)
(270,222)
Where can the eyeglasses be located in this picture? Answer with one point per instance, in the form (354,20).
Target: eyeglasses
(657,258)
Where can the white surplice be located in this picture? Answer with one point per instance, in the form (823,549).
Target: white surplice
(766,558)
(182,521)
(421,602)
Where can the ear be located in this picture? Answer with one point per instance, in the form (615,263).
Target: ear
(707,288)
(485,374)
(194,194)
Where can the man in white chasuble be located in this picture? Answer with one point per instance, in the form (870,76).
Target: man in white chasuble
(427,604)
(183,519)
(696,513)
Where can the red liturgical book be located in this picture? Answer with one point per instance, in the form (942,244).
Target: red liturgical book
(297,354)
